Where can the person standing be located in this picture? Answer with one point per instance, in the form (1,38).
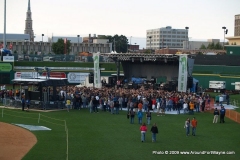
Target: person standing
(116,106)
(140,115)
(95,105)
(143,129)
(216,114)
(154,131)
(187,126)
(68,104)
(132,115)
(91,105)
(28,104)
(222,114)
(191,106)
(23,102)
(194,126)
(149,117)
(227,98)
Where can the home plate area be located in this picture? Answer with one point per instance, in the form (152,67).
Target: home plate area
(33,127)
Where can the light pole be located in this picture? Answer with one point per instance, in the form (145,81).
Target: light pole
(135,47)
(41,46)
(225,30)
(150,37)
(130,43)
(78,43)
(186,37)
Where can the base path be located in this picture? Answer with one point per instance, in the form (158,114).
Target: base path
(15,142)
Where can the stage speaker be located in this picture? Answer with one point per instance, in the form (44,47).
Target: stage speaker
(190,82)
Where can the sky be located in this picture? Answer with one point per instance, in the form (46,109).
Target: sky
(131,18)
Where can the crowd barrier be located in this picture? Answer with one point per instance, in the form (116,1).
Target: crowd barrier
(34,104)
(231,114)
(38,118)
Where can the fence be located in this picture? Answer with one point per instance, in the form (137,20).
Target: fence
(39,117)
(231,114)
(33,104)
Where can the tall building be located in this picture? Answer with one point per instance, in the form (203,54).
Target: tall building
(28,23)
(166,37)
(237,25)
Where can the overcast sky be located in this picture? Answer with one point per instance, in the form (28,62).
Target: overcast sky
(205,18)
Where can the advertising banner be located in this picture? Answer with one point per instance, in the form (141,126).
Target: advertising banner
(26,75)
(78,78)
(55,74)
(8,58)
(97,80)
(182,73)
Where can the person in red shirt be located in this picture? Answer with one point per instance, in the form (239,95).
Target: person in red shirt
(194,126)
(143,130)
(154,104)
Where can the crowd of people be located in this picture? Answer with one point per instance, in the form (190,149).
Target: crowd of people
(115,99)
(138,103)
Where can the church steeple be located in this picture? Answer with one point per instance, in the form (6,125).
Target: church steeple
(28,23)
(29,7)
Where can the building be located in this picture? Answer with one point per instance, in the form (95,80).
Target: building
(237,25)
(133,48)
(29,23)
(24,43)
(195,45)
(166,37)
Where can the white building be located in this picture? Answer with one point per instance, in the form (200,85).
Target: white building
(166,37)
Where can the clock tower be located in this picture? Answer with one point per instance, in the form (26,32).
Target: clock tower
(28,23)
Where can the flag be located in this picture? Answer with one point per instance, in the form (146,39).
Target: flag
(97,79)
(182,73)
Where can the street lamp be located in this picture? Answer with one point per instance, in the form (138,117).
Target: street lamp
(225,30)
(42,42)
(150,37)
(130,43)
(186,37)
(78,43)
(135,47)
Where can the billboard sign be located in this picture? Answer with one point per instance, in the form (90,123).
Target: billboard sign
(74,77)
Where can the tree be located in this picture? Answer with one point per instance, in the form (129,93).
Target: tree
(218,46)
(120,44)
(59,47)
(148,51)
(211,45)
(203,46)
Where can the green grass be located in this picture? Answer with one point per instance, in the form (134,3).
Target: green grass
(105,136)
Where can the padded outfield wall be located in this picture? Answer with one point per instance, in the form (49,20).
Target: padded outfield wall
(206,73)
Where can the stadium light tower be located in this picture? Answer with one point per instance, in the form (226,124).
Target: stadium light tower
(186,37)
(150,37)
(78,43)
(225,30)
